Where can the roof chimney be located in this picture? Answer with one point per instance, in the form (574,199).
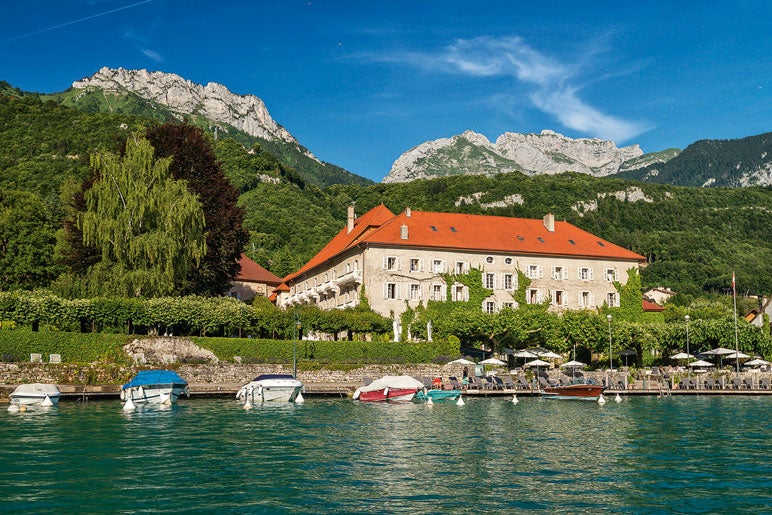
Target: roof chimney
(350,219)
(403,232)
(408,212)
(549,222)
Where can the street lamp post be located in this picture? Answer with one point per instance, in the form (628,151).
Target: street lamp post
(295,330)
(687,318)
(610,357)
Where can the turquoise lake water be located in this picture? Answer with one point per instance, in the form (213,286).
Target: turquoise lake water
(643,455)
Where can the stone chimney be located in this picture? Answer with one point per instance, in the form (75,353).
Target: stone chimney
(549,222)
(403,232)
(350,219)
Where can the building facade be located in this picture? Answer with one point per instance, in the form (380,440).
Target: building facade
(411,258)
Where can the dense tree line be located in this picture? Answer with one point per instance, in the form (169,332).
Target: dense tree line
(692,238)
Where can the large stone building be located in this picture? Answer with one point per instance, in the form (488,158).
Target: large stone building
(400,260)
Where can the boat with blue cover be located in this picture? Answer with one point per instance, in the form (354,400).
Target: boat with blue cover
(154,387)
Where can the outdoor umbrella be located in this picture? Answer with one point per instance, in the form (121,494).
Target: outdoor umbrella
(550,355)
(756,362)
(720,352)
(737,355)
(680,355)
(573,364)
(628,352)
(461,361)
(537,363)
(701,363)
(525,354)
(492,361)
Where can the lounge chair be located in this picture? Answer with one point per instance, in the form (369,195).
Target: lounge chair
(427,381)
(710,384)
(543,383)
(509,382)
(736,383)
(475,383)
(454,383)
(499,383)
(683,384)
(522,383)
(748,383)
(764,383)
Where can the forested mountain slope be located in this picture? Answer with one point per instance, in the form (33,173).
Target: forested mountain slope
(692,237)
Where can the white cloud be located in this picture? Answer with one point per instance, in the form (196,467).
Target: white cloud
(552,85)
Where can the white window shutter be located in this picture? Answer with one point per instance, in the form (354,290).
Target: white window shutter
(591,274)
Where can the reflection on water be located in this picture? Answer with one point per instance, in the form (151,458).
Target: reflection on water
(643,455)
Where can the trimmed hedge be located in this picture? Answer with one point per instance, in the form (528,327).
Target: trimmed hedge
(17,345)
(272,351)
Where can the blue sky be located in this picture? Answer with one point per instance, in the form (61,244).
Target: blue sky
(359,83)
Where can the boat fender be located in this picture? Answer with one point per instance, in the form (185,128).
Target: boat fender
(299,399)
(514,399)
(601,399)
(13,408)
(129,406)
(617,398)
(386,392)
(47,402)
(429,402)
(123,395)
(460,401)
(356,394)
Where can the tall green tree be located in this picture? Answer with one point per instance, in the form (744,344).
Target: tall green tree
(27,240)
(147,226)
(194,161)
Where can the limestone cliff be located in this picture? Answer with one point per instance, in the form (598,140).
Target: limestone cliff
(213,101)
(545,153)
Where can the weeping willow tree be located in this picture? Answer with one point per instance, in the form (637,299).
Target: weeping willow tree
(147,226)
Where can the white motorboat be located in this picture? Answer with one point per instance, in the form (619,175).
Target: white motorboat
(154,387)
(271,388)
(35,394)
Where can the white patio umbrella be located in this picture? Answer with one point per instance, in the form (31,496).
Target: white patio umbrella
(573,364)
(680,355)
(493,361)
(461,361)
(756,362)
(701,363)
(550,355)
(737,355)
(720,352)
(537,363)
(525,354)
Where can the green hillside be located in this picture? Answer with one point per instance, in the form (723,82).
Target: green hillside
(692,237)
(715,163)
(95,100)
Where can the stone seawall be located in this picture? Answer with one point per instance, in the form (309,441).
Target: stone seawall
(226,378)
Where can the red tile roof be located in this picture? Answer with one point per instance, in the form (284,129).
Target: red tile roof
(254,273)
(471,233)
(651,306)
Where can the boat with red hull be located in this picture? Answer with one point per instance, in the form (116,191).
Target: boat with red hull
(578,389)
(389,389)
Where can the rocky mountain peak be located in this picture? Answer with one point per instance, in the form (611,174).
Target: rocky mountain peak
(213,101)
(547,152)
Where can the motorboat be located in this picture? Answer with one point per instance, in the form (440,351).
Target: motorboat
(436,395)
(154,387)
(577,389)
(35,394)
(389,388)
(271,388)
